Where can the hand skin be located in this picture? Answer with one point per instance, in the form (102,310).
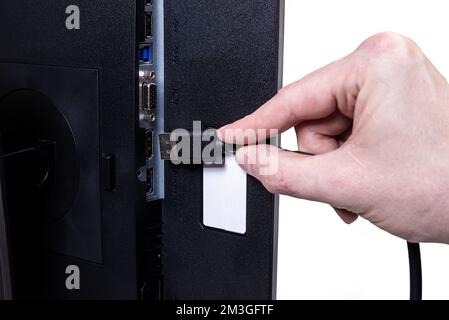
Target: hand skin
(378,121)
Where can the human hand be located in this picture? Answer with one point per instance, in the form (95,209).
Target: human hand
(378,121)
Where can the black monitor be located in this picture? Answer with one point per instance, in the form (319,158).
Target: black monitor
(90,206)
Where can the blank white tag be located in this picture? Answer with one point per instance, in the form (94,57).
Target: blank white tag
(224,197)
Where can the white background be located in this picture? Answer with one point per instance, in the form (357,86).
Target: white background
(319,256)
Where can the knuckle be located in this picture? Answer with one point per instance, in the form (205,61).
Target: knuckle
(392,44)
(287,97)
(284,92)
(278,183)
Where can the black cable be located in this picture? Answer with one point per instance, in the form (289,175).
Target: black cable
(414,259)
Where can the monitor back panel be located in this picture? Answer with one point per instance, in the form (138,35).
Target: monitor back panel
(221,62)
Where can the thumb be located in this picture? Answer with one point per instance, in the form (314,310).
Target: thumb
(327,178)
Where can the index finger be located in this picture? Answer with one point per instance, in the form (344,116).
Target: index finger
(313,97)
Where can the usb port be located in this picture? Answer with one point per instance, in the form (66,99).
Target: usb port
(146,54)
(148,24)
(149,144)
(149,98)
(149,187)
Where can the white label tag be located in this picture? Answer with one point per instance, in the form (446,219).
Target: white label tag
(224,197)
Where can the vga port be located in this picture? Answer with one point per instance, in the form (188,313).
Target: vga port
(149,99)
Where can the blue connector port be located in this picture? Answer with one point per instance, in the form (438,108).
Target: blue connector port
(146,54)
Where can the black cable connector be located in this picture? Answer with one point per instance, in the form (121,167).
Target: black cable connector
(188,148)
(209,151)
